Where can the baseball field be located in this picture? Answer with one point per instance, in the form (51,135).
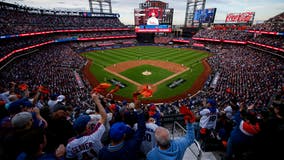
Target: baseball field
(171,72)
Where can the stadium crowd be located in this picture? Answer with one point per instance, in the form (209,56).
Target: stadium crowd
(162,39)
(46,114)
(248,86)
(16,21)
(68,122)
(10,45)
(224,35)
(246,77)
(274,24)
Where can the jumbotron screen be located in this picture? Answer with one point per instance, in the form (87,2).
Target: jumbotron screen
(152,17)
(205,16)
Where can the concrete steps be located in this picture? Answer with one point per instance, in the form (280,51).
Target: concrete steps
(192,153)
(188,155)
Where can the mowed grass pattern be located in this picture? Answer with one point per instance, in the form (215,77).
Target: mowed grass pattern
(136,74)
(187,57)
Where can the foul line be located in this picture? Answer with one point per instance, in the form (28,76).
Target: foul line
(138,84)
(121,76)
(170,77)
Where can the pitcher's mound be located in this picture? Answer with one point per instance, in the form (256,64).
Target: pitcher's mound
(146,73)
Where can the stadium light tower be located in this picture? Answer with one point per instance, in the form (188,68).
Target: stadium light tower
(191,7)
(101,6)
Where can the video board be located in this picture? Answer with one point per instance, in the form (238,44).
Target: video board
(153,16)
(205,16)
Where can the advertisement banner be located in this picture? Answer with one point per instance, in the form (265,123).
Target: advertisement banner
(244,17)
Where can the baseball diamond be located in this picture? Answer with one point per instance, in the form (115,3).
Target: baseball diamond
(166,66)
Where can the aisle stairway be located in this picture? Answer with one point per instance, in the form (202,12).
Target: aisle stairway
(194,152)
(190,154)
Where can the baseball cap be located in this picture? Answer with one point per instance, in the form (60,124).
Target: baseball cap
(54,96)
(152,108)
(117,131)
(124,102)
(212,102)
(131,105)
(60,98)
(81,123)
(20,120)
(16,106)
(112,107)
(89,111)
(27,103)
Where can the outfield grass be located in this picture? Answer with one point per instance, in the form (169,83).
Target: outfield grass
(187,57)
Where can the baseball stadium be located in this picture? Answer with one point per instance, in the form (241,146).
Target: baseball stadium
(141,80)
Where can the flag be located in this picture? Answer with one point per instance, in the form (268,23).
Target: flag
(117,87)
(23,86)
(43,89)
(101,87)
(146,91)
(188,115)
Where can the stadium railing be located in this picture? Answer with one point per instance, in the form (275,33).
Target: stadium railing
(195,148)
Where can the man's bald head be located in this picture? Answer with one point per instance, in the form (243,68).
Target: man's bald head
(162,136)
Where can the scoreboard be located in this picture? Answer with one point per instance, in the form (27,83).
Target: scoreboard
(153,16)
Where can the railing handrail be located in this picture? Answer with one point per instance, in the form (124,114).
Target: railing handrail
(198,156)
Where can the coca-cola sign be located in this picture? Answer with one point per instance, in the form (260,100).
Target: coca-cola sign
(240,17)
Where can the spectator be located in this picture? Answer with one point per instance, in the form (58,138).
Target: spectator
(149,141)
(52,101)
(88,142)
(124,147)
(22,123)
(208,118)
(154,113)
(59,129)
(34,143)
(61,99)
(96,117)
(22,120)
(271,135)
(129,115)
(242,135)
(167,149)
(228,111)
